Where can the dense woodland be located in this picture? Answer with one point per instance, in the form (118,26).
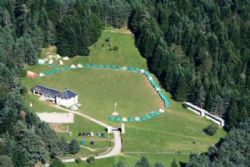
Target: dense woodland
(198,49)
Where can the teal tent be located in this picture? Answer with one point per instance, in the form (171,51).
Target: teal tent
(131,119)
(118,119)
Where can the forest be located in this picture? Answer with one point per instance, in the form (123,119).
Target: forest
(198,49)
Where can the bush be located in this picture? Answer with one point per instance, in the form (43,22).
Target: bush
(57,163)
(78,160)
(115,48)
(211,129)
(74,147)
(107,40)
(23,90)
(91,160)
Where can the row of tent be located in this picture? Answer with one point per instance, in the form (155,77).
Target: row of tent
(114,67)
(136,119)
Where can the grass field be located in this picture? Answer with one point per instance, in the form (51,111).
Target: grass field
(99,89)
(174,134)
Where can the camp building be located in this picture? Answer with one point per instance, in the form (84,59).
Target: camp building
(67,98)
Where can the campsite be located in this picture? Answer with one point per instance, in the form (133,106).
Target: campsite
(174,134)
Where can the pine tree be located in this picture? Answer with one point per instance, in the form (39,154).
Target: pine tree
(143,162)
(181,89)
(232,115)
(74,146)
(174,164)
(120,164)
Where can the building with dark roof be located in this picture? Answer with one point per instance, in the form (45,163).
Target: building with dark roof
(66,98)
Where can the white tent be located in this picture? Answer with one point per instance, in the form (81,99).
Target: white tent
(41,61)
(161,110)
(65,58)
(50,61)
(79,66)
(158,89)
(137,119)
(41,74)
(73,66)
(150,78)
(58,56)
(124,119)
(124,68)
(61,62)
(142,71)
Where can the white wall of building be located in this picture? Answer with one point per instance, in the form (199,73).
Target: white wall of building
(67,102)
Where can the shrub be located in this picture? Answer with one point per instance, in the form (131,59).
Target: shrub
(91,160)
(23,90)
(74,147)
(115,48)
(107,40)
(78,160)
(211,129)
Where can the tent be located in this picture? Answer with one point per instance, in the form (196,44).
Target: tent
(137,119)
(145,117)
(41,61)
(41,74)
(153,114)
(142,71)
(150,78)
(131,119)
(58,56)
(118,119)
(161,110)
(73,66)
(124,68)
(51,61)
(124,119)
(61,62)
(79,66)
(112,118)
(65,58)
(106,66)
(157,89)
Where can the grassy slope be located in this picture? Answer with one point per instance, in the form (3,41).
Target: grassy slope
(99,89)
(173,134)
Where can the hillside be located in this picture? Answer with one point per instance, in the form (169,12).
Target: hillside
(174,134)
(197,51)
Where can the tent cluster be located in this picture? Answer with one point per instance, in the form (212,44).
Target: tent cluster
(122,68)
(145,117)
(51,59)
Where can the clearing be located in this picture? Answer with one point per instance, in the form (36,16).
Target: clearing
(174,134)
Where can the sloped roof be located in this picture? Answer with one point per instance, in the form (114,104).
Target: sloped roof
(48,91)
(66,94)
